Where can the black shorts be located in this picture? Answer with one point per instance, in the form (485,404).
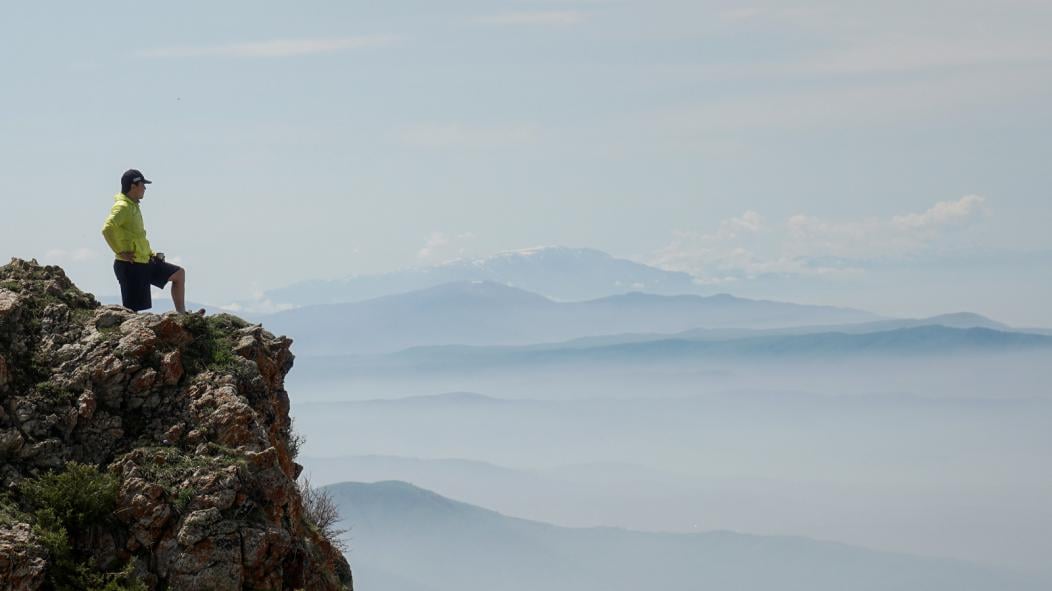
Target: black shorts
(136,279)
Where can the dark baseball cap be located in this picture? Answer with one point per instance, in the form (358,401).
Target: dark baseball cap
(132,176)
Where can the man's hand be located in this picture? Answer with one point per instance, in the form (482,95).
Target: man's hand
(127,255)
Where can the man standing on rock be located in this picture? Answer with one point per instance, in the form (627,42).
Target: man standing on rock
(137,266)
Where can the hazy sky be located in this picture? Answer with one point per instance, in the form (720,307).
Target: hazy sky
(889,155)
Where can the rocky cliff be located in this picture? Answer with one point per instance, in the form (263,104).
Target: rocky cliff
(144,451)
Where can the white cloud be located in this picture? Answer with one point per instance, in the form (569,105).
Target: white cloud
(864,103)
(83,254)
(747,247)
(458,135)
(900,36)
(892,54)
(441,247)
(274,48)
(261,306)
(862,64)
(749,221)
(544,18)
(436,241)
(60,255)
(941,213)
(258,304)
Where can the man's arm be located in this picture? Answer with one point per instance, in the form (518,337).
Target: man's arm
(110,229)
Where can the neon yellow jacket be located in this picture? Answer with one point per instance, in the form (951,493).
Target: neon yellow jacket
(124,231)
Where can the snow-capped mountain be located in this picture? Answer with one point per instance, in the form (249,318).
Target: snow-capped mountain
(488,313)
(560,273)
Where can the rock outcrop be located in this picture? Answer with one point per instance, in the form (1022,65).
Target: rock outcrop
(181,421)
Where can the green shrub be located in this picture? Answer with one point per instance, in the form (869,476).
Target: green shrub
(123,580)
(183,497)
(171,468)
(10,514)
(52,390)
(213,344)
(64,506)
(80,496)
(83,315)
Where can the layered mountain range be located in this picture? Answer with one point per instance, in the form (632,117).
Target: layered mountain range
(486,313)
(411,539)
(560,273)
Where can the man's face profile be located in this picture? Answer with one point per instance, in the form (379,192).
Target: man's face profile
(137,190)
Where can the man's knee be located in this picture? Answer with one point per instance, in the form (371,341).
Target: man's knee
(178,277)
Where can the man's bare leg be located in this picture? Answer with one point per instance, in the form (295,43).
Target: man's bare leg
(178,280)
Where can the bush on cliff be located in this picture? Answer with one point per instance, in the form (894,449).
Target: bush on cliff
(67,506)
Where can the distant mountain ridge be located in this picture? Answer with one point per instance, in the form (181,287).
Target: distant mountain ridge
(954,320)
(920,340)
(407,538)
(560,273)
(487,313)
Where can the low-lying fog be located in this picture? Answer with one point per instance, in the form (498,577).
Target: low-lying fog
(994,375)
(939,456)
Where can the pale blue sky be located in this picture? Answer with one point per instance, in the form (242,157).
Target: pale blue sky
(888,155)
